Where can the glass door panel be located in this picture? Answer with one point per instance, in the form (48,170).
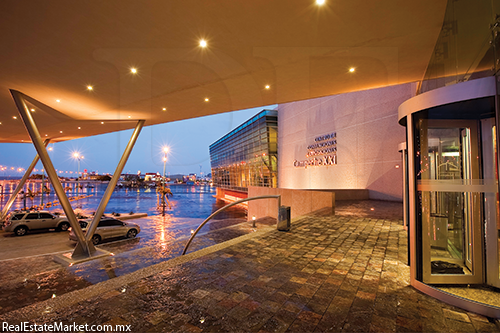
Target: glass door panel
(491,205)
(450,204)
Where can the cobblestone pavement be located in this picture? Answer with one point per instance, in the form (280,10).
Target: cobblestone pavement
(329,274)
(34,279)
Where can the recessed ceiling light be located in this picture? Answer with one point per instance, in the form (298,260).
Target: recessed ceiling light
(14,117)
(60,132)
(268,86)
(320,2)
(46,135)
(32,110)
(206,99)
(79,127)
(58,100)
(129,117)
(133,70)
(203,43)
(90,88)
(164,109)
(352,69)
(102,122)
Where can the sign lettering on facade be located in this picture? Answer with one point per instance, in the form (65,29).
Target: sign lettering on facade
(322,152)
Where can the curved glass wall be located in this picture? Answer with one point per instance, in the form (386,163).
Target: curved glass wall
(465,49)
(454,199)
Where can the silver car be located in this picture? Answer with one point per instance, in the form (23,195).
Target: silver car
(21,222)
(108,228)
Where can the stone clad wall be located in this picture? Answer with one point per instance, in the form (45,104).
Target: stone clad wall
(367,134)
(300,201)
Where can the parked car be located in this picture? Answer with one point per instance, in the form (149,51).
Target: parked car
(20,222)
(108,228)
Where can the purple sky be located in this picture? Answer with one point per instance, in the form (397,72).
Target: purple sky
(188,141)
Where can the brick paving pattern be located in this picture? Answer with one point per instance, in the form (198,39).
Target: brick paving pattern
(329,274)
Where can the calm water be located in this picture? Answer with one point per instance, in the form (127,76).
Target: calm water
(188,201)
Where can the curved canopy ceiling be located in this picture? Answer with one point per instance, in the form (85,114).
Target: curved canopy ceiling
(53,50)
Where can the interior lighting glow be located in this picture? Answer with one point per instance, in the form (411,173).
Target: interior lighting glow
(79,128)
(90,88)
(203,43)
(268,86)
(60,132)
(102,122)
(320,2)
(206,99)
(32,110)
(133,70)
(14,117)
(451,153)
(352,69)
(58,100)
(164,109)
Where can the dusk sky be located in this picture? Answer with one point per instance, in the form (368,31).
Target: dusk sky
(188,141)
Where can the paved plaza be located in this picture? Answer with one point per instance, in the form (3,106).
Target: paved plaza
(342,273)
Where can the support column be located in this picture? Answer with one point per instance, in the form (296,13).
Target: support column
(21,184)
(82,246)
(112,183)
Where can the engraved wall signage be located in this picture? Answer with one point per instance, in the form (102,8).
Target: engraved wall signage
(322,152)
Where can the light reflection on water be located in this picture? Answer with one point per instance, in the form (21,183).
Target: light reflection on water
(159,236)
(188,201)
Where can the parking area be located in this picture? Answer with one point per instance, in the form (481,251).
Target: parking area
(33,244)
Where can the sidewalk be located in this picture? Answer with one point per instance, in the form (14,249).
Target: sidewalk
(328,274)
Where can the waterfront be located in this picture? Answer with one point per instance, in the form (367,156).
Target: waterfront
(188,201)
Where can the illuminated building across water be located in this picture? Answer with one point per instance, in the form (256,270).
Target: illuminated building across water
(248,155)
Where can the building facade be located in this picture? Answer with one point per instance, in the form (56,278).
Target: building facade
(336,142)
(247,156)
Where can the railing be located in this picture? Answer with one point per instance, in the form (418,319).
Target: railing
(226,207)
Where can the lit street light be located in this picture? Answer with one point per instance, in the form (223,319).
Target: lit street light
(79,158)
(165,151)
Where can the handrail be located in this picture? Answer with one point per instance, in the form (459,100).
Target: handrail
(226,207)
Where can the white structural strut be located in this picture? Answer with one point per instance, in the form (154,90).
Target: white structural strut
(112,183)
(82,247)
(14,194)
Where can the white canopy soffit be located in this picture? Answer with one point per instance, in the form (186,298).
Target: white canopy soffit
(53,51)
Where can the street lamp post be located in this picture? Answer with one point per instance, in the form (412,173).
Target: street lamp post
(165,151)
(78,158)
(41,200)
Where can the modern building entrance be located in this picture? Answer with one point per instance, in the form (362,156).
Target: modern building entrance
(456,193)
(453,189)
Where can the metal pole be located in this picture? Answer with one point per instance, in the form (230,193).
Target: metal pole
(112,183)
(21,184)
(41,200)
(78,177)
(82,246)
(226,207)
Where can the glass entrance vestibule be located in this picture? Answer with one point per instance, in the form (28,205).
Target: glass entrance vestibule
(454,224)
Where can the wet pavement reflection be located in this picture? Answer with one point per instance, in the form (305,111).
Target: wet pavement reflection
(31,280)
